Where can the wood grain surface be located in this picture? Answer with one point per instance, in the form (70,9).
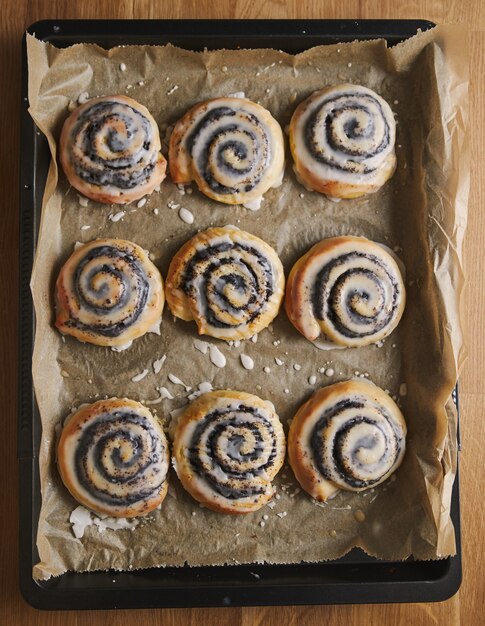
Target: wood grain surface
(467,606)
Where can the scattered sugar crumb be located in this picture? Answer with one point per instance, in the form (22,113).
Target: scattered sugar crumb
(171,91)
(254,338)
(266,369)
(158,363)
(155,211)
(186,215)
(313,379)
(329,372)
(297,367)
(140,376)
(287,390)
(83,97)
(83,201)
(247,361)
(123,67)
(141,203)
(115,217)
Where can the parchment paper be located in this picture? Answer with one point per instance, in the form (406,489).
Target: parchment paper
(420,213)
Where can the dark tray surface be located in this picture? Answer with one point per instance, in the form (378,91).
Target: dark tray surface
(355,578)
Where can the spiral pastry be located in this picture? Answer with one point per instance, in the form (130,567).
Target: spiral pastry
(110,150)
(348,288)
(349,436)
(228,447)
(108,293)
(113,458)
(229,281)
(342,141)
(233,148)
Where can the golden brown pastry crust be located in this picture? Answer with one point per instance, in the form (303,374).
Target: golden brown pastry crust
(231,147)
(113,458)
(342,141)
(212,438)
(350,435)
(101,161)
(108,293)
(220,307)
(348,289)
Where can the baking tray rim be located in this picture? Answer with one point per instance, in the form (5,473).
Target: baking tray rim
(254,592)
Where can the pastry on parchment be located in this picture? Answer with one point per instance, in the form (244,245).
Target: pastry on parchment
(349,290)
(231,147)
(342,141)
(113,458)
(108,293)
(350,436)
(228,446)
(110,150)
(227,280)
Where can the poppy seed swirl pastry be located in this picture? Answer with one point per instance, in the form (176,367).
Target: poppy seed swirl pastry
(227,280)
(232,147)
(113,458)
(108,293)
(342,141)
(348,289)
(110,150)
(350,436)
(228,447)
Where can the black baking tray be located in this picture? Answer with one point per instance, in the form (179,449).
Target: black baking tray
(355,578)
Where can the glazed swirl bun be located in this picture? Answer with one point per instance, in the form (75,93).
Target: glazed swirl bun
(228,447)
(113,458)
(342,141)
(349,436)
(233,148)
(108,293)
(110,150)
(349,289)
(227,280)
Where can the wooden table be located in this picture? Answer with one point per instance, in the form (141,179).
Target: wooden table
(464,608)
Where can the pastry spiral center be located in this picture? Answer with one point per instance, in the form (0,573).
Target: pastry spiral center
(357,294)
(350,132)
(356,443)
(230,149)
(111,290)
(229,282)
(113,144)
(117,458)
(232,449)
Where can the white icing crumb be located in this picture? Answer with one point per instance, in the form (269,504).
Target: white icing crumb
(254,338)
(83,97)
(163,393)
(247,361)
(302,195)
(141,203)
(297,367)
(224,68)
(170,91)
(123,67)
(266,369)
(172,205)
(80,519)
(237,343)
(278,361)
(203,387)
(181,189)
(122,347)
(155,211)
(349,64)
(265,517)
(64,374)
(253,205)
(85,227)
(176,381)
(329,372)
(201,346)
(216,356)
(115,523)
(158,363)
(271,504)
(403,389)
(157,189)
(83,201)
(140,376)
(237,94)
(321,370)
(186,216)
(312,380)
(116,216)
(261,524)
(276,342)
(287,390)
